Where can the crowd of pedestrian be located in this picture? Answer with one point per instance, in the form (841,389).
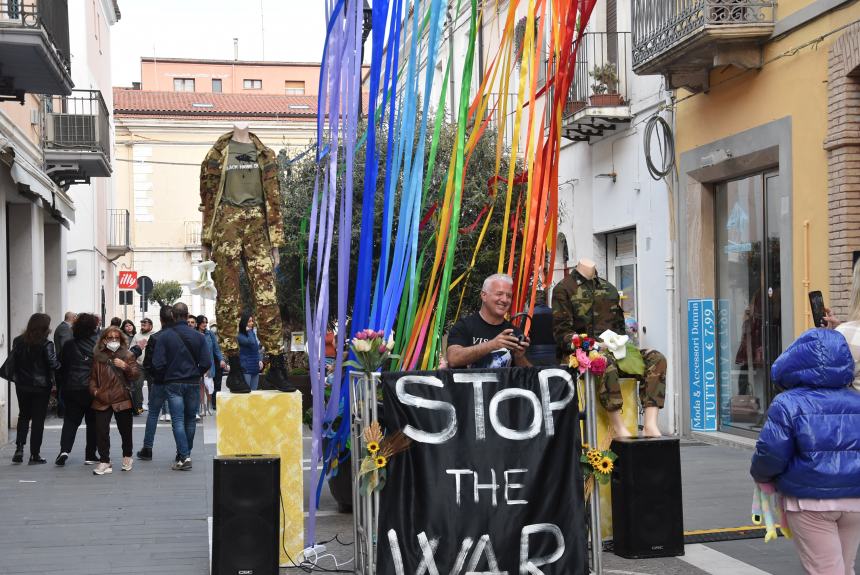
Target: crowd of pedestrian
(99,375)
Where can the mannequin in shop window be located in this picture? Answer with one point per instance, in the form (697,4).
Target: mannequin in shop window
(585,303)
(240,200)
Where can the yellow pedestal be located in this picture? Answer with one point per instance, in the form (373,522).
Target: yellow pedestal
(629,393)
(269,422)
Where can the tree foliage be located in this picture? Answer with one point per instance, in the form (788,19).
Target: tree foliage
(298,180)
(165,292)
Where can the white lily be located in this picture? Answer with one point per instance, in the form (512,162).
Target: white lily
(390,343)
(615,343)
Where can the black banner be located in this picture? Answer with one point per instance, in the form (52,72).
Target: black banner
(491,482)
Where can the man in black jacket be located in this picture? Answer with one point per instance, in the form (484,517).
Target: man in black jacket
(180,360)
(157,389)
(73,379)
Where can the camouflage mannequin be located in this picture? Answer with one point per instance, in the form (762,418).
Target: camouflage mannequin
(241,204)
(586,303)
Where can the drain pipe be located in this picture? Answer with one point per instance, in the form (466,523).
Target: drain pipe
(673,306)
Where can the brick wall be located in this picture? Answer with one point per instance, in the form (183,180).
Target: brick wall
(843,149)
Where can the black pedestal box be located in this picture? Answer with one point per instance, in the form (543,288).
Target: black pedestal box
(245,515)
(647,510)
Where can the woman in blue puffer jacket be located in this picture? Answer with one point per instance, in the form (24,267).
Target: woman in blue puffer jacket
(809,449)
(249,351)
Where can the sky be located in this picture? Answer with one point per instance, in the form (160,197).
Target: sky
(293,30)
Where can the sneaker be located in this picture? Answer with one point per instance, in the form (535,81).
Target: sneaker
(19,455)
(162,417)
(145,454)
(61,459)
(183,465)
(102,469)
(197,417)
(91,461)
(36,460)
(167,417)
(127,463)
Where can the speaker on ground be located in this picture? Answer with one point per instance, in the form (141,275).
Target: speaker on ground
(647,509)
(245,521)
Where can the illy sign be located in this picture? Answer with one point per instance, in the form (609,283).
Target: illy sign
(127,279)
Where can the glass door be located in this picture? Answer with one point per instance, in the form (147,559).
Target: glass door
(751,220)
(621,272)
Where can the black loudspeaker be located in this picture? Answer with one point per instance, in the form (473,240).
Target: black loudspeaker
(647,510)
(245,521)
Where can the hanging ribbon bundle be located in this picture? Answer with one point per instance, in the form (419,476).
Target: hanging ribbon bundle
(408,289)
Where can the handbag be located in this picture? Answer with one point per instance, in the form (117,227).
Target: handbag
(7,370)
(745,409)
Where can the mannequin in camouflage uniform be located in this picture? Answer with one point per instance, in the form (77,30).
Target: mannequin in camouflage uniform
(586,303)
(241,204)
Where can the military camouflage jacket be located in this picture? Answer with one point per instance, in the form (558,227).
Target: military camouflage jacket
(584,306)
(211,172)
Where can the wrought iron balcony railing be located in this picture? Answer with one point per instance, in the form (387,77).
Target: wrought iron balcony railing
(600,78)
(193,230)
(659,26)
(118,236)
(77,122)
(34,48)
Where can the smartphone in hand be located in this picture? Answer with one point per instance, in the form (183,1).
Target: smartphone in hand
(816,302)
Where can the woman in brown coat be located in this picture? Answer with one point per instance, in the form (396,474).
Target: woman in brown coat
(114,371)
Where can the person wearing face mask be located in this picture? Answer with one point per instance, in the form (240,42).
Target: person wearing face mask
(113,374)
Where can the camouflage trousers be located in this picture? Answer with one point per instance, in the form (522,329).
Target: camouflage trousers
(239,239)
(652,385)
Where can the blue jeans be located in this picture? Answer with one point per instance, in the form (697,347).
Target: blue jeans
(183,400)
(252,380)
(157,400)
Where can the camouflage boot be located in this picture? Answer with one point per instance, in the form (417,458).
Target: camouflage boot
(235,381)
(277,376)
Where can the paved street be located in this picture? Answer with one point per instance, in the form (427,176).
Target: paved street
(64,520)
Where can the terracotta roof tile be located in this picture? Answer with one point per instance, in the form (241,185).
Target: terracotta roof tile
(129,102)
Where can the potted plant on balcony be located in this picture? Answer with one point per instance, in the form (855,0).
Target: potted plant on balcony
(605,87)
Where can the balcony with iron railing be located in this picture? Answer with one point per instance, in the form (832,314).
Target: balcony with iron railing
(118,233)
(193,231)
(598,100)
(34,48)
(77,137)
(684,39)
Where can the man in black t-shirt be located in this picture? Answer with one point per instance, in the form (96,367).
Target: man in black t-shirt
(486,339)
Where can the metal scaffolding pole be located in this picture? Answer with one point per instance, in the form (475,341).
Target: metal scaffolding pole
(591,439)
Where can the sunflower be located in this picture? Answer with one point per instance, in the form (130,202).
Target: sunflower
(372,447)
(381,461)
(594,456)
(605,466)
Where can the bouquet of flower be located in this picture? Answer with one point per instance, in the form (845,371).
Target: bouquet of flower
(204,285)
(596,466)
(380,449)
(587,355)
(371,350)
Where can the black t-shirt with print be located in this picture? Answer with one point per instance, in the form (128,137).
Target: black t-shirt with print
(473,330)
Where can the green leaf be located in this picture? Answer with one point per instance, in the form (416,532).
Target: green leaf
(354,365)
(632,362)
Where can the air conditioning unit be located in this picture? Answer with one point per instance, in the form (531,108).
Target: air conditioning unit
(72,130)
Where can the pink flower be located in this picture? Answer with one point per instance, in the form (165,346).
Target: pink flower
(598,365)
(583,360)
(360,335)
(369,333)
(382,348)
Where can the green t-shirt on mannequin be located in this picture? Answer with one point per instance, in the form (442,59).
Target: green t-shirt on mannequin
(243,185)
